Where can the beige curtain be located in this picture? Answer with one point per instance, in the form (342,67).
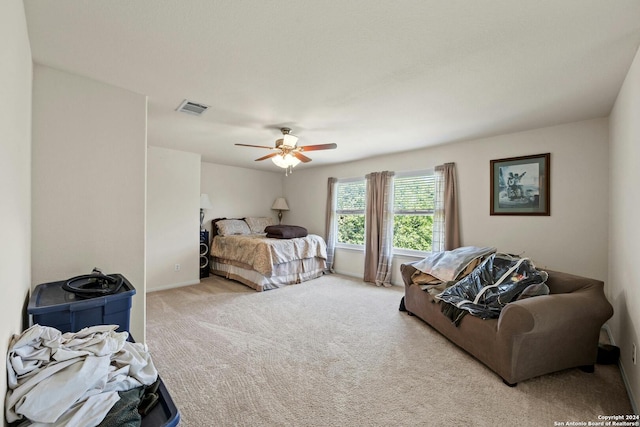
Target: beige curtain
(446,229)
(331,225)
(379,228)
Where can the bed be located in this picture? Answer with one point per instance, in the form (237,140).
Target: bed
(241,251)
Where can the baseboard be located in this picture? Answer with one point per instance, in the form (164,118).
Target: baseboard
(174,285)
(632,398)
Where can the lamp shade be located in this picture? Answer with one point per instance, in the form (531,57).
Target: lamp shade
(205,203)
(280,204)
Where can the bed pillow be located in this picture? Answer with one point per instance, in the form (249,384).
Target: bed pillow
(228,227)
(258,224)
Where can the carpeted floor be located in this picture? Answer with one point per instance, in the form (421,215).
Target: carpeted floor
(337,352)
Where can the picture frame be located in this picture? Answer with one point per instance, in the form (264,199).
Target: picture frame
(521,185)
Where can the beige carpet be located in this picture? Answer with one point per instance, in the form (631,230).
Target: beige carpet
(337,352)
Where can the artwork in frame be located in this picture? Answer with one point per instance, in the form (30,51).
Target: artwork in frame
(520,185)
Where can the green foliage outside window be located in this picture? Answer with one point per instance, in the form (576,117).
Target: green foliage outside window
(413,205)
(413,232)
(409,231)
(350,212)
(351,229)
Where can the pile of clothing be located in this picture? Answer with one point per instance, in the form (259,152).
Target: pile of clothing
(72,379)
(439,270)
(477,280)
(499,280)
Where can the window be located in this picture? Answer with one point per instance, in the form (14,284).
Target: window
(350,206)
(413,208)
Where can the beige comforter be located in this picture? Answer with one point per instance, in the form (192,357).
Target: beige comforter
(263,254)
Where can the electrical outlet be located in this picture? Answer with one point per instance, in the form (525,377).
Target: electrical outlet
(177,267)
(633,353)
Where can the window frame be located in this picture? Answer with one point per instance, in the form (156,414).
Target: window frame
(396,251)
(416,173)
(350,246)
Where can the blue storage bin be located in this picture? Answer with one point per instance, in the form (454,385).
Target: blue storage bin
(50,305)
(165,413)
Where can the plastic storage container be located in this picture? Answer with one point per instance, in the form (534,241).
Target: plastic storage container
(50,305)
(165,413)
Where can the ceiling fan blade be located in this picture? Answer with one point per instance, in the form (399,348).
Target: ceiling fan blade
(318,147)
(268,156)
(256,146)
(301,157)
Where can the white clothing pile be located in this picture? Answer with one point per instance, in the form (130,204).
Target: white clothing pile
(72,379)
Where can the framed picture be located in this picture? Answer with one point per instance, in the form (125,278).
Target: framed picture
(520,185)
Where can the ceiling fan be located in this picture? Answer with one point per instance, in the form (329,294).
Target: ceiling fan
(286,153)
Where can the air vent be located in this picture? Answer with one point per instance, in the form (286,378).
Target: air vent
(190,107)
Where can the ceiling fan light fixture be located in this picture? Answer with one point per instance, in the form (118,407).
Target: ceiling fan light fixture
(288,154)
(285,161)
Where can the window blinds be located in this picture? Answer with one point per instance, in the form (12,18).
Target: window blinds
(351,197)
(414,195)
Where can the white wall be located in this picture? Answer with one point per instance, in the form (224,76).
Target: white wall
(15,174)
(623,287)
(238,192)
(89,179)
(173,218)
(572,239)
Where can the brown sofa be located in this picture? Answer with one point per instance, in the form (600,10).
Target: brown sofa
(533,336)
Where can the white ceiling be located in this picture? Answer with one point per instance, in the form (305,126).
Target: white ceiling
(371,76)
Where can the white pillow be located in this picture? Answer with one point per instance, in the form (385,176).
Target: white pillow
(257,225)
(227,227)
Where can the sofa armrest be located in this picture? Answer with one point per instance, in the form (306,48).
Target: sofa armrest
(555,312)
(406,271)
(515,319)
